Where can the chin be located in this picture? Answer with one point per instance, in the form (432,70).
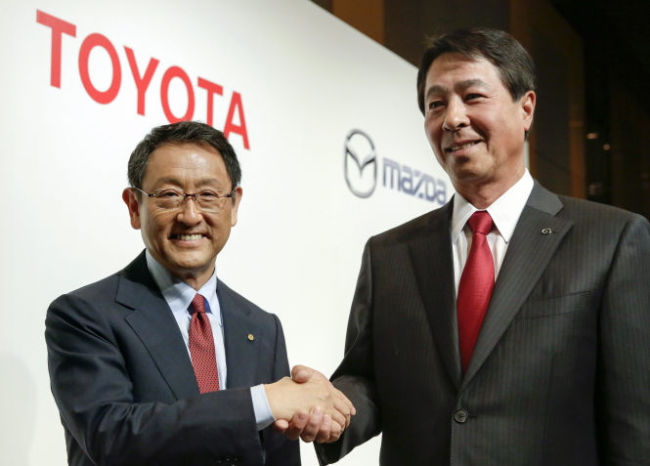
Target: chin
(469,169)
(189,262)
(465,173)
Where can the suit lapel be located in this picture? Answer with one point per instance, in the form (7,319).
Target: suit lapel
(432,261)
(153,322)
(535,239)
(242,338)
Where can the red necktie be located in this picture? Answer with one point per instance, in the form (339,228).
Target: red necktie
(476,284)
(202,347)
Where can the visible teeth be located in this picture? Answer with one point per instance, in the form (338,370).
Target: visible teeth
(462,146)
(189,237)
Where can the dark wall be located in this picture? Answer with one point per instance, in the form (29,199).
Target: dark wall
(630,151)
(409,23)
(551,116)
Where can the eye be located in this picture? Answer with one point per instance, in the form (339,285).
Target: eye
(435,104)
(473,96)
(208,195)
(169,194)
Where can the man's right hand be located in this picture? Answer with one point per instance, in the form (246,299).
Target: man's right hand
(308,406)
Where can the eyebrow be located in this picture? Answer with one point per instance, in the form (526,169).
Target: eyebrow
(177,182)
(461,85)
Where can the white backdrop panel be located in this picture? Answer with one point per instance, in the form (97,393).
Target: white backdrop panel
(305,80)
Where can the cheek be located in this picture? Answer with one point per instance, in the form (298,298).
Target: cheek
(233,218)
(220,236)
(155,223)
(432,132)
(219,226)
(500,123)
(482,123)
(434,136)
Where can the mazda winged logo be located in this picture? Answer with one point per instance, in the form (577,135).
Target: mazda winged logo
(360,149)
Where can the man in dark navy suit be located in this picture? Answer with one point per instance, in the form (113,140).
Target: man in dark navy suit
(162,363)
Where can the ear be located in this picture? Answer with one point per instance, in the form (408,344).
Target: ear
(527,103)
(131,200)
(235,206)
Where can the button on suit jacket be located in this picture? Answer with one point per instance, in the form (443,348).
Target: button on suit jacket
(124,384)
(560,375)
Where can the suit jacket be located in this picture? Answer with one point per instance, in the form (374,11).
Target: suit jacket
(560,374)
(123,380)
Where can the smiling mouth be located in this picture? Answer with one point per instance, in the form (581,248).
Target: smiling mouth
(462,146)
(193,237)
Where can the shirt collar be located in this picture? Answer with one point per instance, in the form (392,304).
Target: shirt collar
(179,294)
(505,211)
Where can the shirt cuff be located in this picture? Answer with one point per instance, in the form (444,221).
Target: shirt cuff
(263,415)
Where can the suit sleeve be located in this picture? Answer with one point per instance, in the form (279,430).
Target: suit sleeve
(623,405)
(355,376)
(95,394)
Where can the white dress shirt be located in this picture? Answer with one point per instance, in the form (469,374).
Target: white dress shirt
(179,295)
(505,212)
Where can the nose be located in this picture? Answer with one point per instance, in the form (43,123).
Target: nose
(189,214)
(455,115)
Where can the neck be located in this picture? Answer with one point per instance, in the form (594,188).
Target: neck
(196,281)
(483,195)
(480,198)
(195,278)
(168,274)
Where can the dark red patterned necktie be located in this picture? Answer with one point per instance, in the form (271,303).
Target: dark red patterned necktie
(202,347)
(476,284)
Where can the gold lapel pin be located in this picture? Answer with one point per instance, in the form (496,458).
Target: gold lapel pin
(546,231)
(251,337)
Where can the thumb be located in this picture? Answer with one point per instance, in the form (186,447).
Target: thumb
(301,374)
(281,425)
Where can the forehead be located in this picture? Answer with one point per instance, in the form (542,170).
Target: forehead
(185,160)
(450,70)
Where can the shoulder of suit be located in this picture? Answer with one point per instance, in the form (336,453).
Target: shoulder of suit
(595,212)
(99,293)
(106,288)
(225,290)
(414,228)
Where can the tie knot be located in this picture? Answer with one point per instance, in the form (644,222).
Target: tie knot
(198,304)
(480,222)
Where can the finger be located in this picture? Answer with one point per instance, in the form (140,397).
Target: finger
(281,425)
(313,426)
(346,400)
(301,374)
(325,429)
(338,416)
(296,425)
(335,432)
(343,409)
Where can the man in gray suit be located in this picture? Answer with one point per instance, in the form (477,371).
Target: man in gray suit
(162,363)
(542,357)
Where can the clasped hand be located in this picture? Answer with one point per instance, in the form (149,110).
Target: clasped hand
(308,406)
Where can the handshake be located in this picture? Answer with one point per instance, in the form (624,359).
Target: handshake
(308,406)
